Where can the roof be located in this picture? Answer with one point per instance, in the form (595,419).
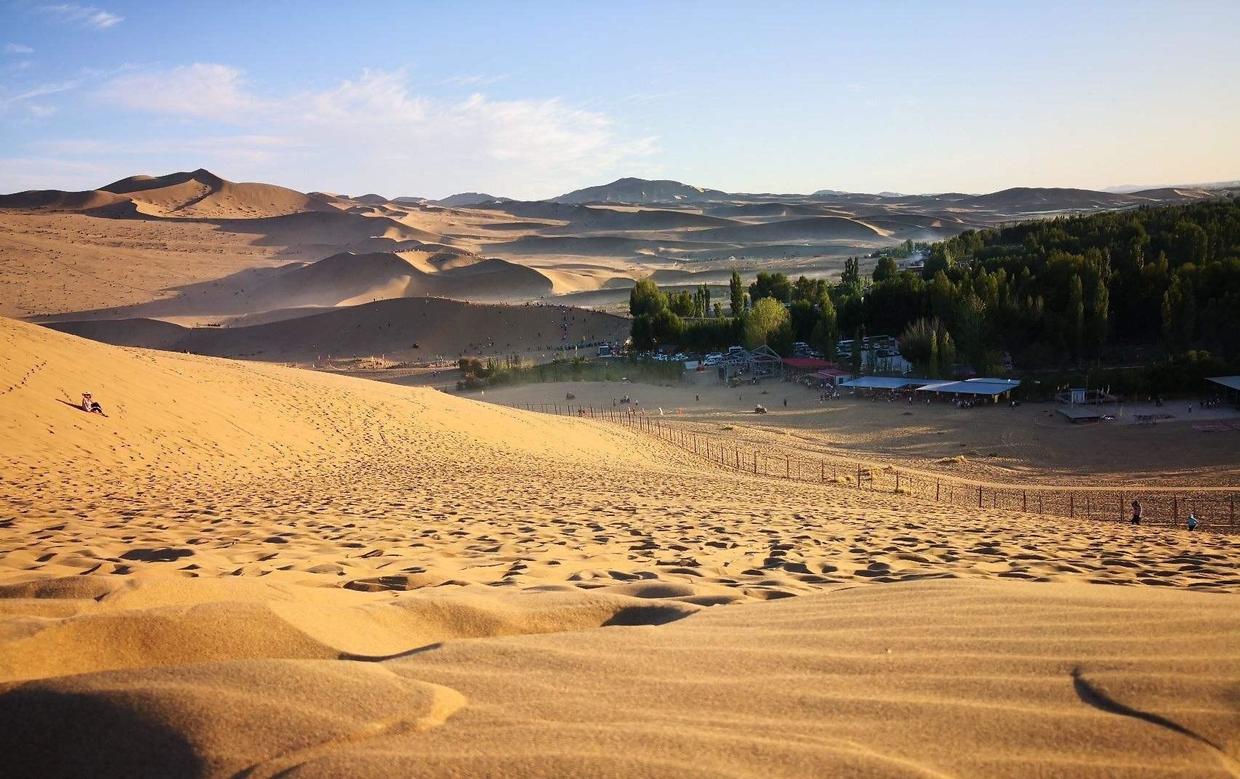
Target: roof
(973,386)
(831,373)
(807,363)
(884,382)
(1230,382)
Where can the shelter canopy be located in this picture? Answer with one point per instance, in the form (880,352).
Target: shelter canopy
(884,382)
(991,387)
(1230,382)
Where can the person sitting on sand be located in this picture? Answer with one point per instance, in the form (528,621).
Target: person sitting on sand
(90,405)
(1192,521)
(1136,512)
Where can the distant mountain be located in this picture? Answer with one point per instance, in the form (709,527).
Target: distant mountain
(633,190)
(194,194)
(1124,189)
(466,199)
(1026,199)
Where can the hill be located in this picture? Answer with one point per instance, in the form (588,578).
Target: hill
(412,329)
(635,190)
(249,568)
(809,228)
(463,199)
(1047,198)
(202,194)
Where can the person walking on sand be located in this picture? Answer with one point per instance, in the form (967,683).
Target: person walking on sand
(1136,513)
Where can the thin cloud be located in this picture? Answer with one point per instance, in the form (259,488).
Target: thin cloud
(42,90)
(202,90)
(17,48)
(474,80)
(83,15)
(376,132)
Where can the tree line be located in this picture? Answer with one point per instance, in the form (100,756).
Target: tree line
(1047,293)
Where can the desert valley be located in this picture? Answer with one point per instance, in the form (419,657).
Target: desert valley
(267,569)
(310,468)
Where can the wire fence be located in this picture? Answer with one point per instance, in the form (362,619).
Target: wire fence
(1214,508)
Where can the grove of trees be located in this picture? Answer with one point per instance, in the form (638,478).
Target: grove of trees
(1058,292)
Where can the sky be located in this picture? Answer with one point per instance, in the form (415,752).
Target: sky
(532,99)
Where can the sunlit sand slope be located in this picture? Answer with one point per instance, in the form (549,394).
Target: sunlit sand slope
(251,569)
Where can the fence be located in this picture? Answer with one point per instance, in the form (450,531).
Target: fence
(1215,508)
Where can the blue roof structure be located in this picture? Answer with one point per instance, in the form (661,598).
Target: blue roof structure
(1230,382)
(884,382)
(989,387)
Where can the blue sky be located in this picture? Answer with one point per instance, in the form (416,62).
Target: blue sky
(530,99)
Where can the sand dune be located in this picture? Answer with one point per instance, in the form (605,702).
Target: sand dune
(59,200)
(810,228)
(202,194)
(247,568)
(348,278)
(389,327)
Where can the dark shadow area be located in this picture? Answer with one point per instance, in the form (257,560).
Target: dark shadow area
(53,733)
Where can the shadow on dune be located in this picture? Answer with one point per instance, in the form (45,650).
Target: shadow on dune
(109,738)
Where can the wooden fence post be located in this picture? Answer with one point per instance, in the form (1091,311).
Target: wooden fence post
(1024,501)
(858,475)
(1071,505)
(938,485)
(979,497)
(897,481)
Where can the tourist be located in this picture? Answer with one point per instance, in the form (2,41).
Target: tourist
(1192,521)
(1136,512)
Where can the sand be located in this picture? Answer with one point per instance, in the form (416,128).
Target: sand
(253,569)
(1029,444)
(394,332)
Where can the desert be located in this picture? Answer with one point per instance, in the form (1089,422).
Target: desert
(659,390)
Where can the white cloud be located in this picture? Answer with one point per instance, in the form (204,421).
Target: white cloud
(375,132)
(17,48)
(41,90)
(202,90)
(474,80)
(86,15)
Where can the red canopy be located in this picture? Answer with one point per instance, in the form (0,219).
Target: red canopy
(807,363)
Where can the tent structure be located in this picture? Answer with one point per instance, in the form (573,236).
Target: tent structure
(830,376)
(992,388)
(802,366)
(761,363)
(884,382)
(766,363)
(1230,382)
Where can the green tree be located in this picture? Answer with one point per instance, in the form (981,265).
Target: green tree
(771,285)
(1076,313)
(683,304)
(766,316)
(645,298)
(738,294)
(1179,314)
(850,279)
(885,269)
(668,328)
(642,332)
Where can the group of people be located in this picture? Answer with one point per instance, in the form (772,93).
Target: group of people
(1192,522)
